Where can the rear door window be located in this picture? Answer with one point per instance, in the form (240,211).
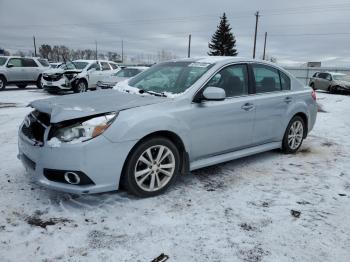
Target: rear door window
(27,62)
(105,66)
(285,81)
(267,79)
(114,66)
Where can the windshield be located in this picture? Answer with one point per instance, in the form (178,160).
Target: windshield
(172,77)
(127,72)
(2,60)
(74,65)
(342,78)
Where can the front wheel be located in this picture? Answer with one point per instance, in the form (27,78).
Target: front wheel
(152,167)
(294,135)
(80,87)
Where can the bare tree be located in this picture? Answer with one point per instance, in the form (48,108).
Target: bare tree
(45,51)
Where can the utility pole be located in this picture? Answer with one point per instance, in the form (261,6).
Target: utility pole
(34,46)
(189,46)
(256,31)
(95,50)
(265,46)
(122,51)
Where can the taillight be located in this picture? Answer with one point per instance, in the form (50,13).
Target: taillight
(313,94)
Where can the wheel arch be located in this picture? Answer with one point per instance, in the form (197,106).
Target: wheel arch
(173,137)
(305,119)
(2,75)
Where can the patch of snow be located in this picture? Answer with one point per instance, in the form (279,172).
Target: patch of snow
(238,211)
(54,142)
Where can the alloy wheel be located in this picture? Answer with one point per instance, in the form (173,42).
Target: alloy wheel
(81,87)
(295,135)
(154,168)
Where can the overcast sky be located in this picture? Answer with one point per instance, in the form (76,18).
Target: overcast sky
(298,30)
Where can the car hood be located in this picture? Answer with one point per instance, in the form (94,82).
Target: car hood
(53,71)
(91,103)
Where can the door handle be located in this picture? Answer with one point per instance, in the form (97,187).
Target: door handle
(288,99)
(248,107)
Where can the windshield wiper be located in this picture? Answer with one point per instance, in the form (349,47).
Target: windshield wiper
(142,91)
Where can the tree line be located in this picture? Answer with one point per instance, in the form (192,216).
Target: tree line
(59,53)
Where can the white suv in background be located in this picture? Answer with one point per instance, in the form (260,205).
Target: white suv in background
(78,75)
(21,71)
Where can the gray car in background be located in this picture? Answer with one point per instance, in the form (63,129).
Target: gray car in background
(175,117)
(331,82)
(124,74)
(21,71)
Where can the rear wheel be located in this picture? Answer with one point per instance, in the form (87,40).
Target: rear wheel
(22,86)
(332,89)
(152,167)
(80,87)
(2,82)
(294,135)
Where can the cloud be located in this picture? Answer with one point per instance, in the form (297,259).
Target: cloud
(150,26)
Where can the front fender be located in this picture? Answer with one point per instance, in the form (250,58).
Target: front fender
(134,125)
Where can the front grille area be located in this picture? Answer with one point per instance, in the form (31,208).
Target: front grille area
(54,77)
(34,126)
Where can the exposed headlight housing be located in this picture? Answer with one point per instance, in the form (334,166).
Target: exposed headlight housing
(84,130)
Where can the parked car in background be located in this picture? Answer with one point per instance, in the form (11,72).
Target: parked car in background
(21,71)
(331,82)
(78,75)
(175,117)
(123,74)
(55,65)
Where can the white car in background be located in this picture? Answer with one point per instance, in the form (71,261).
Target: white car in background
(123,74)
(21,71)
(78,75)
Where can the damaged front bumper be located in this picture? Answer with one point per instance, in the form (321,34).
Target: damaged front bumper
(98,161)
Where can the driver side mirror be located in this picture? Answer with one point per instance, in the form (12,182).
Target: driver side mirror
(9,65)
(212,93)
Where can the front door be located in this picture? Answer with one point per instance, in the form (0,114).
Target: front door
(219,127)
(15,70)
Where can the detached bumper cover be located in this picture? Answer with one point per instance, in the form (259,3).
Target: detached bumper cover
(101,160)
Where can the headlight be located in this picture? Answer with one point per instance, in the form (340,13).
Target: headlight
(85,130)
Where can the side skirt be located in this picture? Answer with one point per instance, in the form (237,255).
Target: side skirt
(233,155)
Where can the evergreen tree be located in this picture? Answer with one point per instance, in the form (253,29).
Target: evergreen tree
(223,42)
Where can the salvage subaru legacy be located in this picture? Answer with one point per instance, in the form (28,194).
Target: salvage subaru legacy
(175,117)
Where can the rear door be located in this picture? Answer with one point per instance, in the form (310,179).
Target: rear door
(31,68)
(272,99)
(15,70)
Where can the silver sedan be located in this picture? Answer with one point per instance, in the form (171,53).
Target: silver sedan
(173,118)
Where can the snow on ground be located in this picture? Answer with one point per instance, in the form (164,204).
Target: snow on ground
(238,211)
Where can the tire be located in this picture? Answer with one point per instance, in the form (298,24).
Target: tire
(22,86)
(80,87)
(39,83)
(3,82)
(332,89)
(287,144)
(149,168)
(312,85)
